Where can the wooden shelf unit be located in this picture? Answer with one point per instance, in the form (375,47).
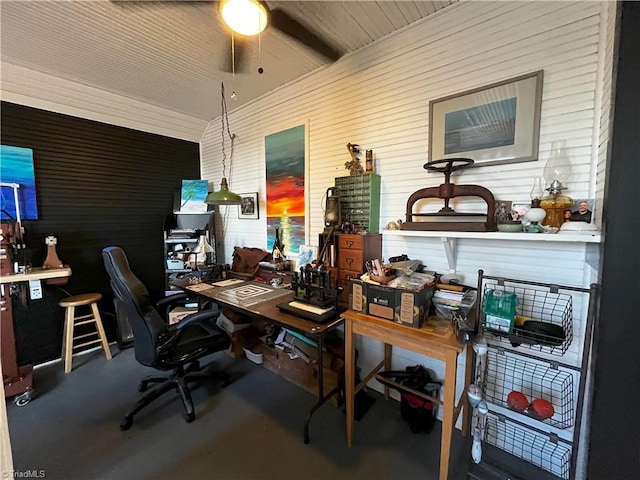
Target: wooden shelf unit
(347,254)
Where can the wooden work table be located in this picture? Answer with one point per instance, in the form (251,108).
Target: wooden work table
(267,310)
(436,339)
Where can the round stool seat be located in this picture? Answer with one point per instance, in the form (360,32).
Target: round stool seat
(78,300)
(73,320)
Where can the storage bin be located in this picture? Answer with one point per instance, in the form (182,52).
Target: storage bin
(543,306)
(547,452)
(507,373)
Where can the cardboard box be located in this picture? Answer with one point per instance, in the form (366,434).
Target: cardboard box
(304,374)
(407,307)
(412,307)
(381,301)
(178,313)
(358,296)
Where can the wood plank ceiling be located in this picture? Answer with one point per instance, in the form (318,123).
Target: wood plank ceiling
(172,54)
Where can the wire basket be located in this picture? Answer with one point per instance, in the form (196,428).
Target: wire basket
(551,312)
(540,450)
(506,373)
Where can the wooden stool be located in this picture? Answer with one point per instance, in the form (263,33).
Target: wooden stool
(70,322)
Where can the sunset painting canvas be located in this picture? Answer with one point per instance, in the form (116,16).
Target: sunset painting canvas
(285,164)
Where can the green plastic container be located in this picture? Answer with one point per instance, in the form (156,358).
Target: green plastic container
(500,310)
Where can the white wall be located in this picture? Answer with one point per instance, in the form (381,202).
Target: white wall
(379,98)
(35,89)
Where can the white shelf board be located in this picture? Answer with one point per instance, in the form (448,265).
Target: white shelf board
(518,237)
(449,239)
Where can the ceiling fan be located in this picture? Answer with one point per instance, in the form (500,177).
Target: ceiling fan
(247,18)
(255,16)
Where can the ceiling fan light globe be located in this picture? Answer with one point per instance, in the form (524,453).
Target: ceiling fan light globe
(245,17)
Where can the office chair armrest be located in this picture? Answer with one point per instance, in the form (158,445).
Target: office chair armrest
(170,300)
(166,304)
(174,332)
(196,317)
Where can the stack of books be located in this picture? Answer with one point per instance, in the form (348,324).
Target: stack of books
(448,297)
(448,301)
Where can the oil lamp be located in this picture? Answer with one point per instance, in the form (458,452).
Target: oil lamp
(556,173)
(535,215)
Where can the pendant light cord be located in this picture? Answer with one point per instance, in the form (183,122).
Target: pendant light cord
(226,131)
(232,136)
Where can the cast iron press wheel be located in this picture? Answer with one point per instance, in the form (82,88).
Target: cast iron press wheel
(449,165)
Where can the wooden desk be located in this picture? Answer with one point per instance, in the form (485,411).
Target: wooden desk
(439,343)
(269,312)
(18,380)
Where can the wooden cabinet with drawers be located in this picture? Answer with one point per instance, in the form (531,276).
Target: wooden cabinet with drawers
(347,255)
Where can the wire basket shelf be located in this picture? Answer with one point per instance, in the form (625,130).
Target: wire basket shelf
(539,450)
(542,307)
(506,373)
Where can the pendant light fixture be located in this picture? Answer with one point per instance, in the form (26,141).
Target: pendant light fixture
(224,196)
(245,17)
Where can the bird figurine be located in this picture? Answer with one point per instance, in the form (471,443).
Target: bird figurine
(353,165)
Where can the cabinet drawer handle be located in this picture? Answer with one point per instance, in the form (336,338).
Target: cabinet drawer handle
(349,276)
(349,243)
(349,261)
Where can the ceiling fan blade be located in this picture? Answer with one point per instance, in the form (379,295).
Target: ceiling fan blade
(236,56)
(288,25)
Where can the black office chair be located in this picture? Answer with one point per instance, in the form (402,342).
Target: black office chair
(157,344)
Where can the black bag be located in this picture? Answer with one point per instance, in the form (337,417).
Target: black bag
(418,412)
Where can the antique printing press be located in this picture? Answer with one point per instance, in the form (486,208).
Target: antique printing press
(316,294)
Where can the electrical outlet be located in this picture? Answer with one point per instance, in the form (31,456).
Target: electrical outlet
(35,289)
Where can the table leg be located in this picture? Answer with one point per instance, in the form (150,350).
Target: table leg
(321,396)
(466,407)
(447,418)
(349,380)
(387,366)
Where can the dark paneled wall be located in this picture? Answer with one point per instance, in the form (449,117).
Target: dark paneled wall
(97,185)
(614,442)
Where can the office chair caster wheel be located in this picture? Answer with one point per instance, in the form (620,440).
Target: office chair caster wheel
(23,399)
(126,423)
(191,417)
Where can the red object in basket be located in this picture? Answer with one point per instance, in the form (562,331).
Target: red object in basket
(517,400)
(542,408)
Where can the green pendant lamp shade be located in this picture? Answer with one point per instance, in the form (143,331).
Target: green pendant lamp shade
(223,196)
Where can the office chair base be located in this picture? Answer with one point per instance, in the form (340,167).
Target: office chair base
(178,380)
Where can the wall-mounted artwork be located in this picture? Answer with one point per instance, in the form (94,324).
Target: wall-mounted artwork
(250,206)
(192,196)
(285,172)
(494,124)
(16,167)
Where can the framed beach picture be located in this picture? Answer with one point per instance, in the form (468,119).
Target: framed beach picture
(18,192)
(193,195)
(249,206)
(493,124)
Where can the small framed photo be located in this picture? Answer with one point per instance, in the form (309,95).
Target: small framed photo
(249,208)
(503,211)
(581,211)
